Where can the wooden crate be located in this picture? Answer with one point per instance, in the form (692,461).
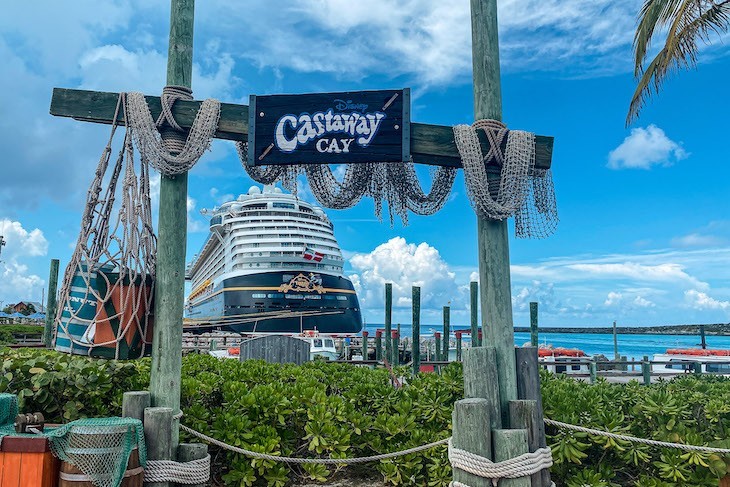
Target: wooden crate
(27,462)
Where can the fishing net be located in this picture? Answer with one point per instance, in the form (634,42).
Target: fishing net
(106,299)
(98,447)
(520,189)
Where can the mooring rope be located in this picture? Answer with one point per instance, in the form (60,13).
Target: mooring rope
(192,472)
(634,439)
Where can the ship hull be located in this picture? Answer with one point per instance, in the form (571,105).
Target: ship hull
(259,303)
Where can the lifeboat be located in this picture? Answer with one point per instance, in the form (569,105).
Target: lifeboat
(234,351)
(560,352)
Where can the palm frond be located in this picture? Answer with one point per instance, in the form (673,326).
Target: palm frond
(689,24)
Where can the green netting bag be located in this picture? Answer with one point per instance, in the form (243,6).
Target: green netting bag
(99,447)
(8,408)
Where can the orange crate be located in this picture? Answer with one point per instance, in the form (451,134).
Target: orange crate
(27,462)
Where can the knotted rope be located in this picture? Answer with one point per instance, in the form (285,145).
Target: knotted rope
(521,466)
(192,472)
(163,143)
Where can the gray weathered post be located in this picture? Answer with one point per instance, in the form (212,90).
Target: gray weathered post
(472,432)
(493,242)
(447,333)
(593,370)
(458,346)
(187,452)
(364,345)
(395,348)
(523,414)
(510,444)
(646,370)
(615,342)
(474,312)
(437,346)
(481,380)
(534,341)
(378,345)
(388,320)
(159,435)
(703,341)
(51,304)
(134,403)
(416,345)
(171,241)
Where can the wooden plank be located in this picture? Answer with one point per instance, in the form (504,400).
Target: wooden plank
(18,444)
(51,467)
(11,469)
(31,472)
(430,144)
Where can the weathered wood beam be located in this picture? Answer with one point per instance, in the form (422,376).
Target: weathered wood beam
(430,144)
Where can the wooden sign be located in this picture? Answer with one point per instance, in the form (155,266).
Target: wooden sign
(330,128)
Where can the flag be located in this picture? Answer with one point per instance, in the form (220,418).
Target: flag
(310,254)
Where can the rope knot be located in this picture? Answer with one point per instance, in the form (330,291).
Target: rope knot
(170,94)
(496,133)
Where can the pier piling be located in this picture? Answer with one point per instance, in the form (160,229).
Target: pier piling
(416,343)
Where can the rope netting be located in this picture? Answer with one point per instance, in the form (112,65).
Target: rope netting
(106,298)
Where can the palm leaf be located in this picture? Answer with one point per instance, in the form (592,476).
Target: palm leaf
(688,23)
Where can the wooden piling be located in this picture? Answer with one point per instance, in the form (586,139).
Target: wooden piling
(134,403)
(534,339)
(437,346)
(51,304)
(388,320)
(378,345)
(523,414)
(187,452)
(458,346)
(510,444)
(481,380)
(646,370)
(615,342)
(703,341)
(474,312)
(416,345)
(528,388)
(593,370)
(447,333)
(395,348)
(158,435)
(364,345)
(472,432)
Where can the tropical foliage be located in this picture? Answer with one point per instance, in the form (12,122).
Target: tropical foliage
(685,23)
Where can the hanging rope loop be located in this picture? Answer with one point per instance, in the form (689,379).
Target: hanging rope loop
(496,133)
(170,94)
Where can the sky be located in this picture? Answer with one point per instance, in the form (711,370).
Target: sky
(644,233)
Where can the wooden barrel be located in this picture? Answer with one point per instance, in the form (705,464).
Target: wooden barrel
(93,444)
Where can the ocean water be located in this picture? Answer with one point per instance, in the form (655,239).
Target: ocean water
(632,346)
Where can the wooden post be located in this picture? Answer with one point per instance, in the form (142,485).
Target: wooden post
(395,348)
(615,342)
(474,312)
(134,403)
(166,365)
(646,370)
(534,341)
(458,346)
(437,346)
(364,345)
(624,366)
(447,333)
(378,345)
(159,436)
(697,367)
(472,432)
(593,370)
(493,242)
(416,345)
(212,344)
(388,320)
(528,388)
(187,452)
(481,380)
(510,444)
(51,304)
(703,341)
(523,414)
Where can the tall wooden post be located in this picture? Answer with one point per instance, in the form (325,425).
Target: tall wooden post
(172,237)
(615,343)
(447,332)
(703,340)
(437,346)
(474,312)
(395,348)
(533,325)
(51,304)
(494,272)
(458,346)
(379,345)
(388,320)
(364,345)
(416,344)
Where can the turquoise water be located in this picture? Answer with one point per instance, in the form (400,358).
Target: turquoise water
(635,346)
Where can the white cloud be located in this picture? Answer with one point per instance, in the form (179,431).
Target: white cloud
(697,240)
(702,301)
(623,301)
(639,272)
(21,242)
(16,282)
(405,265)
(194,223)
(613,299)
(645,148)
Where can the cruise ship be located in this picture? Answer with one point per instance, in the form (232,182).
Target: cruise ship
(271,264)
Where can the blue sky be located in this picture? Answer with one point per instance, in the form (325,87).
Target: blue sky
(644,236)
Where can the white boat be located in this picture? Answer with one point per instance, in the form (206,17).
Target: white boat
(320,347)
(560,360)
(679,361)
(271,264)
